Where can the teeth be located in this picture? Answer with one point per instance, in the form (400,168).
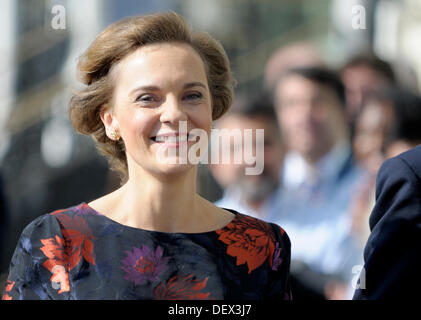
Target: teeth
(172,139)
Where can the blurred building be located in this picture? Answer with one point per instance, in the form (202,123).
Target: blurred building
(45,165)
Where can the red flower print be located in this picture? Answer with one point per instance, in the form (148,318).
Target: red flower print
(65,253)
(282,231)
(250,240)
(9,287)
(181,288)
(59,211)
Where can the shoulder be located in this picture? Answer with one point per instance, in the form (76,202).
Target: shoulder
(255,228)
(256,243)
(405,163)
(402,170)
(46,235)
(412,157)
(52,222)
(398,189)
(44,244)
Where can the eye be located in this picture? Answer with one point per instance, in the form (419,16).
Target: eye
(193,96)
(146,98)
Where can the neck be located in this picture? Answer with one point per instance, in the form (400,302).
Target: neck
(257,207)
(163,203)
(312,158)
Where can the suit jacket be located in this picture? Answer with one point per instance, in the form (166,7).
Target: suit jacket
(392,254)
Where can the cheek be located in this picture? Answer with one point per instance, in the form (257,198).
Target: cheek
(135,126)
(201,118)
(288,120)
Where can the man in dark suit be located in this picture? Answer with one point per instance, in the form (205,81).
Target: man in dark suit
(392,254)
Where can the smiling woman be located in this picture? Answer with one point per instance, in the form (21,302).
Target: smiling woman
(121,40)
(147,111)
(150,81)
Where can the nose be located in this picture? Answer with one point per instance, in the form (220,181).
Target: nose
(173,111)
(308,110)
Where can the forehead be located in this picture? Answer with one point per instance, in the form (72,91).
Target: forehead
(361,71)
(295,83)
(296,86)
(242,121)
(161,61)
(376,113)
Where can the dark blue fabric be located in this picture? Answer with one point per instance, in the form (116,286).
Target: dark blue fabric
(77,253)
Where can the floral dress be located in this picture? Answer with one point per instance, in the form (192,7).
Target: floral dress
(78,253)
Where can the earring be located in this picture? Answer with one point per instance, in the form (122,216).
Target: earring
(114,135)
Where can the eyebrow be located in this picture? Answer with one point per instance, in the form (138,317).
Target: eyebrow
(156,88)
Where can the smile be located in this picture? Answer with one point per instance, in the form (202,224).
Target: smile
(174,138)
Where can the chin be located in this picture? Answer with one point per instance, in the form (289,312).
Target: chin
(169,167)
(172,169)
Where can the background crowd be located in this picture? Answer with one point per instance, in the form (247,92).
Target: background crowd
(334,101)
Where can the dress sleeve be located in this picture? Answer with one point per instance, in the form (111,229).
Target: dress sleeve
(279,287)
(25,281)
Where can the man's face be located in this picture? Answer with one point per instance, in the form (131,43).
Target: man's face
(310,116)
(252,187)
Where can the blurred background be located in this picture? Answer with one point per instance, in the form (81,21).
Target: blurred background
(45,165)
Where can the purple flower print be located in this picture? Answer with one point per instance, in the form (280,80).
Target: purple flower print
(277,260)
(142,265)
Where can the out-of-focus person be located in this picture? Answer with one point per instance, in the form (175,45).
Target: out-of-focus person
(372,126)
(406,134)
(318,178)
(292,55)
(388,118)
(387,125)
(362,74)
(252,194)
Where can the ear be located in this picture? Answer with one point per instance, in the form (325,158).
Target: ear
(109,120)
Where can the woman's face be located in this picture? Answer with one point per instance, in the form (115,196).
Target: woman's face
(157,88)
(371,128)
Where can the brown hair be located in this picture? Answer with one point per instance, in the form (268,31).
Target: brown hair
(373,62)
(117,41)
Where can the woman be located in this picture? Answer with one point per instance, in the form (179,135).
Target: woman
(387,125)
(154,237)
